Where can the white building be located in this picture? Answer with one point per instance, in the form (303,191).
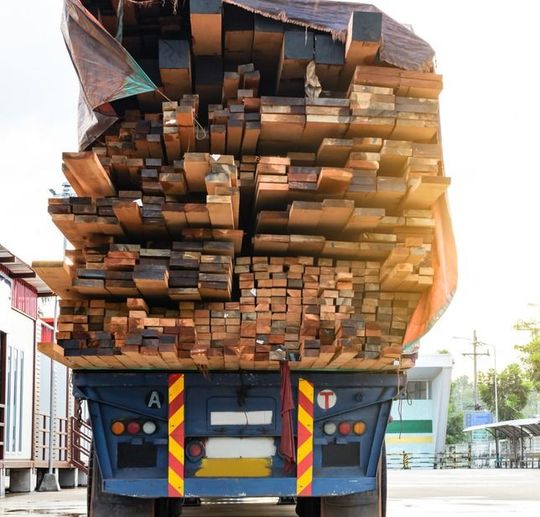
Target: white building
(25,383)
(419,418)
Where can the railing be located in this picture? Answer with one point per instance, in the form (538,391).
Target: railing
(425,460)
(61,439)
(408,460)
(81,441)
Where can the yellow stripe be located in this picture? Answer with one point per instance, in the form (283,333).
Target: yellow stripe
(176,419)
(304,449)
(176,388)
(176,481)
(176,449)
(305,418)
(304,480)
(395,440)
(306,388)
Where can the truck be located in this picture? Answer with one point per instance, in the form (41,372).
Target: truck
(229,413)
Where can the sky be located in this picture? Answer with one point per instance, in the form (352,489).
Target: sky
(487,52)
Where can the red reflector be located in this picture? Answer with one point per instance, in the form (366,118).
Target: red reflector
(195,449)
(344,428)
(134,428)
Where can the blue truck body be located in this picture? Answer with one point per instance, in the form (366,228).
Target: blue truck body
(136,464)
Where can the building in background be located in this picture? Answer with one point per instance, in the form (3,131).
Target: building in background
(420,416)
(25,376)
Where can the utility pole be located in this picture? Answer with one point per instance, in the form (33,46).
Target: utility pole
(474,355)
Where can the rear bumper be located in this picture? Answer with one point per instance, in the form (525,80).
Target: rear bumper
(234,487)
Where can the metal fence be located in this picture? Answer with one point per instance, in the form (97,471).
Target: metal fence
(473,455)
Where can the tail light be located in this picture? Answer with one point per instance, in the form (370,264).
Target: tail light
(149,427)
(195,450)
(359,428)
(344,428)
(329,428)
(118,427)
(134,427)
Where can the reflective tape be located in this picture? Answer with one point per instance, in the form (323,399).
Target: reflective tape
(175,475)
(304,469)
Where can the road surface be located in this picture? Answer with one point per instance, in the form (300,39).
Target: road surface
(441,493)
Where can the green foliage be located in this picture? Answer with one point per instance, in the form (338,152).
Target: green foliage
(460,398)
(513,391)
(530,353)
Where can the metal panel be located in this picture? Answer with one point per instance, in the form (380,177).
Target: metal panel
(125,396)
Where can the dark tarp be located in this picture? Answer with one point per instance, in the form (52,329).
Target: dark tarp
(400,46)
(107,72)
(105,69)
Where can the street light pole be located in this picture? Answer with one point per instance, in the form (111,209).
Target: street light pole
(495,379)
(49,483)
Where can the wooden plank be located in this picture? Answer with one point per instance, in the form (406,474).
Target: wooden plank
(175,67)
(57,276)
(267,45)
(86,175)
(329,60)
(196,166)
(238,39)
(296,52)
(364,35)
(333,180)
(206,24)
(208,80)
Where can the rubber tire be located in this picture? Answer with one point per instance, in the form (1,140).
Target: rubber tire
(308,507)
(367,504)
(101,504)
(168,507)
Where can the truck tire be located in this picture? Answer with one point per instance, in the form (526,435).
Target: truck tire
(101,504)
(168,507)
(367,504)
(308,507)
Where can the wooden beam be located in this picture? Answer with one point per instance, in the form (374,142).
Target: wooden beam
(175,67)
(205,16)
(296,52)
(364,37)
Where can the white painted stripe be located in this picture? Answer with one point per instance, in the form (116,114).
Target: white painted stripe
(241,417)
(240,447)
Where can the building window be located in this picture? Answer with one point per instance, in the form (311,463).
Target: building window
(24,298)
(14,399)
(419,390)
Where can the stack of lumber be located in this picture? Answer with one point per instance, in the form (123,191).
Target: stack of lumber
(183,272)
(323,313)
(238,222)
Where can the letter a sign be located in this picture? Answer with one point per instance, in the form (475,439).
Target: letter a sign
(326,399)
(154,400)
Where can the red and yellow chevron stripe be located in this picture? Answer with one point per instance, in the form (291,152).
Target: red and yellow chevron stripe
(175,475)
(304,469)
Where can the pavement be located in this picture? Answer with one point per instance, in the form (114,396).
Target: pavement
(425,493)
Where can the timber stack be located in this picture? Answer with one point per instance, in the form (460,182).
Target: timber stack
(272,199)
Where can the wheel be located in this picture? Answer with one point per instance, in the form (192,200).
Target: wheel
(308,507)
(101,504)
(367,504)
(286,501)
(168,507)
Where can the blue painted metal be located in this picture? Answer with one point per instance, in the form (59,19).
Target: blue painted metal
(123,395)
(235,487)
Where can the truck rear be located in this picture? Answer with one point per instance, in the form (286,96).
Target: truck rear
(261,237)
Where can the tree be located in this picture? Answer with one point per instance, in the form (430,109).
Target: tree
(513,391)
(530,353)
(461,397)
